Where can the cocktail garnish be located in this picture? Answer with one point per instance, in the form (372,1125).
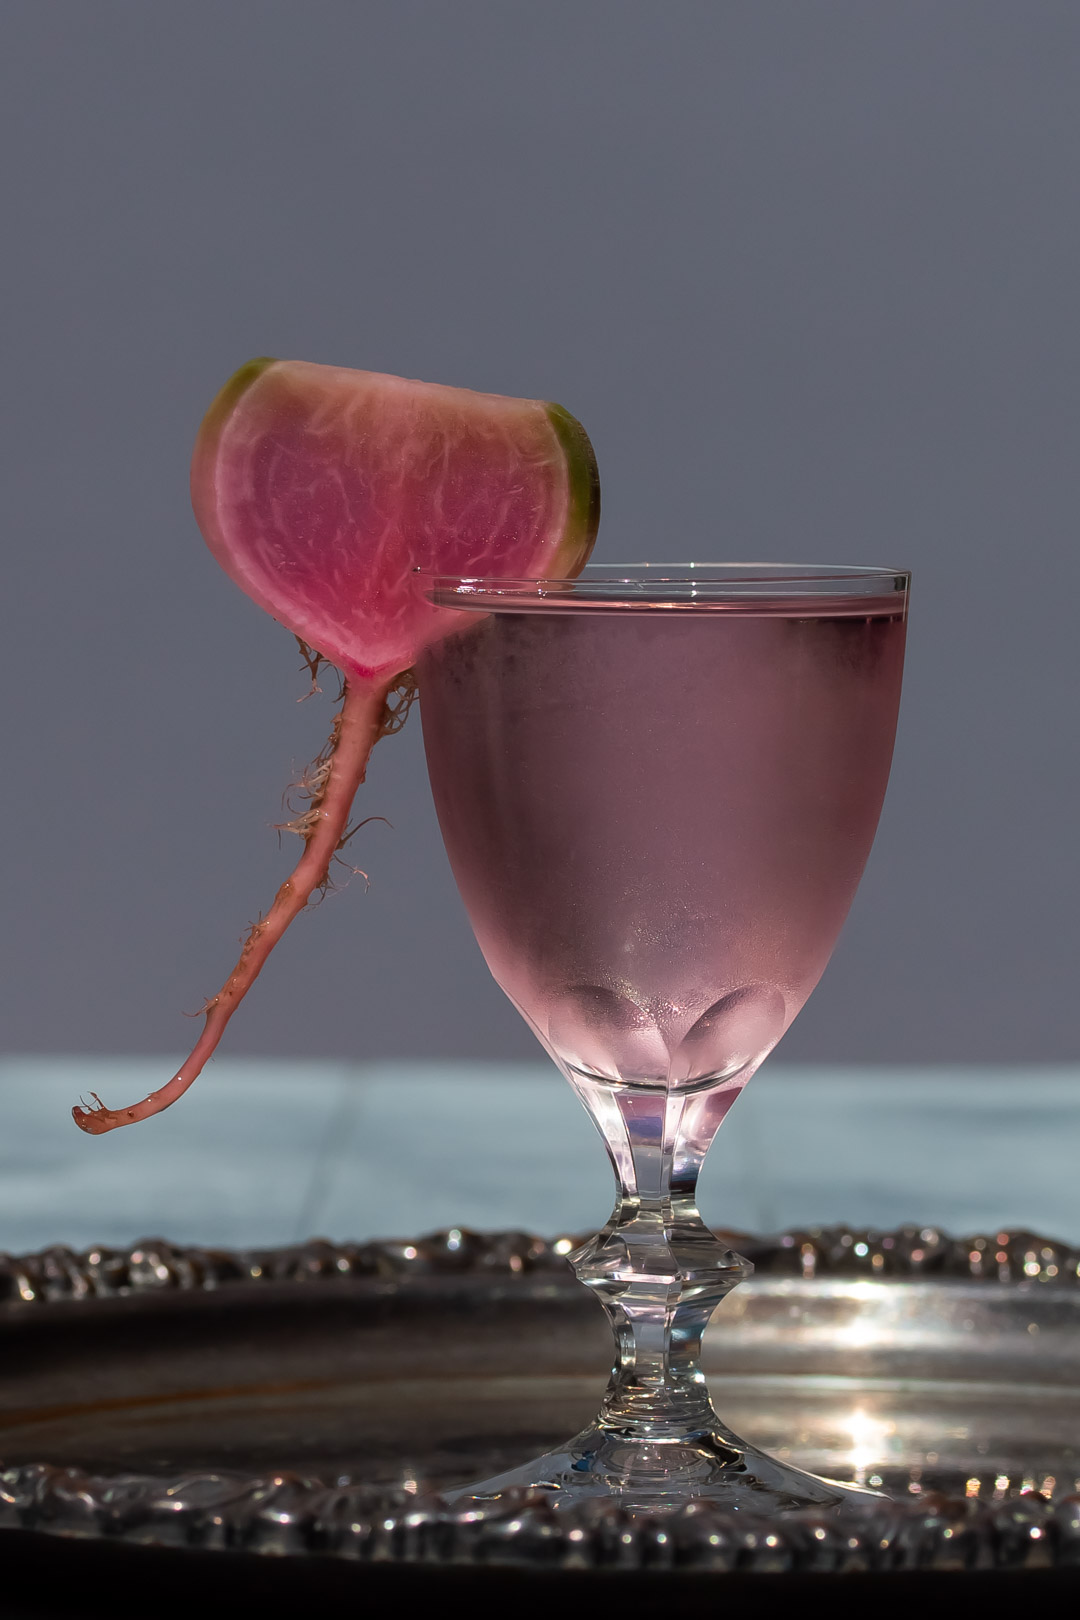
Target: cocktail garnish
(320,490)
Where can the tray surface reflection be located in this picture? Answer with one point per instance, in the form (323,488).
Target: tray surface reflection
(318,1400)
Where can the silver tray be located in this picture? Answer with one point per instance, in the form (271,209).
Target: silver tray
(317,1400)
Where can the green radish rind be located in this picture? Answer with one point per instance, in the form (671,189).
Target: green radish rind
(583,504)
(226,401)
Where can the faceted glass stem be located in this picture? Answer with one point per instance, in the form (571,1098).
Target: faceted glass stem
(656,1267)
(659,1272)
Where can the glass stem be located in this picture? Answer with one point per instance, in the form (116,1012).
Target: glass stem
(656,1267)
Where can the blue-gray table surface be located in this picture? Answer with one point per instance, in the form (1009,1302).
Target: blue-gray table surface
(272,1151)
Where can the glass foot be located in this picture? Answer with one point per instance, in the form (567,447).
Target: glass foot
(662,1476)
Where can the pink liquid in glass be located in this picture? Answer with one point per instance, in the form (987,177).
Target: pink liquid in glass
(657,817)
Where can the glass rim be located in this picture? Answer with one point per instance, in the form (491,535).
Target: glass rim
(671,584)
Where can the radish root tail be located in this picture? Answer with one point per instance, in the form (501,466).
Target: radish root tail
(367,713)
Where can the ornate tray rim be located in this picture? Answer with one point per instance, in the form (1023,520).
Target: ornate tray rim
(285,1513)
(154,1265)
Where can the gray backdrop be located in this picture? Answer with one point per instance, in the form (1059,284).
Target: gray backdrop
(807,269)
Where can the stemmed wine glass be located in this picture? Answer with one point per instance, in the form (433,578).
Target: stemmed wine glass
(658,787)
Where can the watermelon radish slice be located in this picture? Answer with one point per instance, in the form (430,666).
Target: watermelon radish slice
(320,490)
